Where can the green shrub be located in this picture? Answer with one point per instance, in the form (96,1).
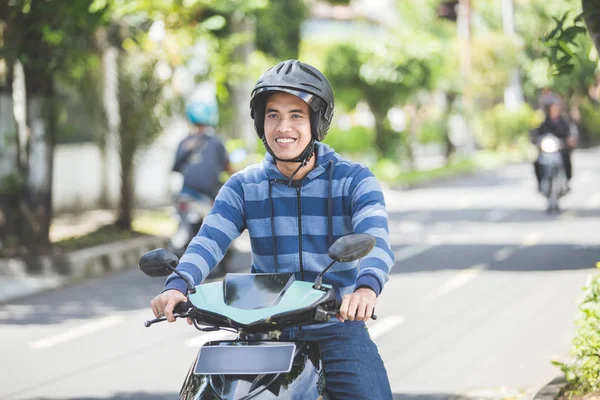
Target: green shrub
(498,127)
(432,131)
(357,139)
(583,375)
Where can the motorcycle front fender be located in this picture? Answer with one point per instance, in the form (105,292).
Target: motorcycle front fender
(305,380)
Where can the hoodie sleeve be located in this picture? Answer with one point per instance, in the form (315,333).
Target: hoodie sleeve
(369,215)
(220,227)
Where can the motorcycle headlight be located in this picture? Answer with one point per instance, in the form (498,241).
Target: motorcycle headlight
(549,145)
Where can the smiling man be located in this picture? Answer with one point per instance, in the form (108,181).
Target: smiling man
(295,204)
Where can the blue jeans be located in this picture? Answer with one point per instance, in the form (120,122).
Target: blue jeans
(353,367)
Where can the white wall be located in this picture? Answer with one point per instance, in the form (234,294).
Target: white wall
(78,173)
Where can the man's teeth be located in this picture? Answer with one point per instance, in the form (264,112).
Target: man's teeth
(285,140)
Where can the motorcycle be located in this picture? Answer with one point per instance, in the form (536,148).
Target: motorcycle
(257,364)
(191,208)
(553,183)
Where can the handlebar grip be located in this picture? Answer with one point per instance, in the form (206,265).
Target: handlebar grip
(338,304)
(182,307)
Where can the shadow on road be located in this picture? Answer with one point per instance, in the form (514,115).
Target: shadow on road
(491,215)
(500,257)
(122,291)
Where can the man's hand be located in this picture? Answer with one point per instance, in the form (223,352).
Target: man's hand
(358,306)
(164,303)
(571,142)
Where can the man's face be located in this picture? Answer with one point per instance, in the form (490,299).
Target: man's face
(554,111)
(287,125)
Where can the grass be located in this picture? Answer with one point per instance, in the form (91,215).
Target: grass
(157,222)
(391,173)
(102,235)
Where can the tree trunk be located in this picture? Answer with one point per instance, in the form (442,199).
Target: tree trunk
(127,197)
(386,139)
(110,152)
(591,13)
(9,150)
(37,207)
(450,149)
(9,153)
(240,91)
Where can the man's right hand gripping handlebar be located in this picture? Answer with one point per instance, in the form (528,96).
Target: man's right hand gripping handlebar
(165,304)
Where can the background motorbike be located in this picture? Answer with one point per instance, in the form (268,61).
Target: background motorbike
(553,183)
(257,364)
(191,208)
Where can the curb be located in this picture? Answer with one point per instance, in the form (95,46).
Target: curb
(551,390)
(23,277)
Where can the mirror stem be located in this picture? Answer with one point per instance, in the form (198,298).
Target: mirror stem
(319,280)
(190,285)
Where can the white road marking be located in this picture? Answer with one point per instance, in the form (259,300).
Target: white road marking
(204,337)
(82,330)
(384,325)
(498,215)
(435,239)
(531,239)
(503,254)
(410,251)
(461,278)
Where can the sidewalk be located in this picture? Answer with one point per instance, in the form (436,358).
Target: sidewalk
(16,280)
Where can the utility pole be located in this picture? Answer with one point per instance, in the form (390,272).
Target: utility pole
(513,94)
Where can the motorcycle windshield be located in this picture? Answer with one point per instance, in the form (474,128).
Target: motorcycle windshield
(251,298)
(254,291)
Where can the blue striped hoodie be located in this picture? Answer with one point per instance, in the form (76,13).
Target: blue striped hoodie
(292,226)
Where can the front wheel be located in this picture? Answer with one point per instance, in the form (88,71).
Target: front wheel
(554,194)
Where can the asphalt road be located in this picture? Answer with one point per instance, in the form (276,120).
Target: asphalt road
(482,297)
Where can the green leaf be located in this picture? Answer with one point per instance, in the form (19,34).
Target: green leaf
(564,47)
(214,23)
(571,32)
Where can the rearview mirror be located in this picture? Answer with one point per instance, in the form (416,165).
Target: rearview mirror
(158,262)
(351,247)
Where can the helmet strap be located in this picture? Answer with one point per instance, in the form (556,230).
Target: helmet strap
(303,158)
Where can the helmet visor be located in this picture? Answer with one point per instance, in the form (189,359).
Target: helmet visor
(313,101)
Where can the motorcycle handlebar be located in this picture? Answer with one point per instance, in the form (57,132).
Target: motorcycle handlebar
(180,311)
(336,310)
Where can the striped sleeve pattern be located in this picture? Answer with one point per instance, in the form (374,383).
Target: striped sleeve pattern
(369,215)
(220,227)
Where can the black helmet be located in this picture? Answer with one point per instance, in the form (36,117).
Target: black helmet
(299,79)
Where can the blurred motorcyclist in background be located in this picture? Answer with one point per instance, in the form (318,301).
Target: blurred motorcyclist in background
(566,131)
(201,157)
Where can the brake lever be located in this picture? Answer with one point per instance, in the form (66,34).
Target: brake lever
(149,323)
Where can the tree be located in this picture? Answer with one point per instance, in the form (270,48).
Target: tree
(384,75)
(591,14)
(278,28)
(45,37)
(140,97)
